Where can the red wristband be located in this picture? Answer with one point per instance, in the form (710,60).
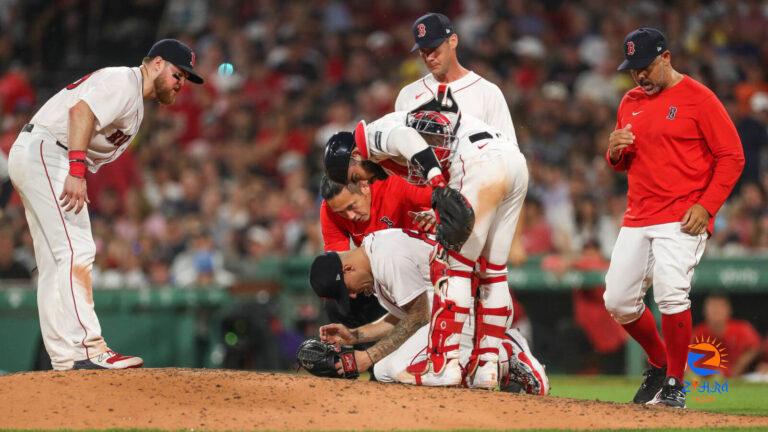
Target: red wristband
(77,164)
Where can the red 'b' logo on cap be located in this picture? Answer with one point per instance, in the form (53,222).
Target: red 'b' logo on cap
(192,60)
(422,29)
(630,48)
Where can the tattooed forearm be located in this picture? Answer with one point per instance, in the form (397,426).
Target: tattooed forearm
(357,333)
(416,318)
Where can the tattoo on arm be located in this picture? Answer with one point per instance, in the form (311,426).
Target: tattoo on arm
(416,318)
(357,334)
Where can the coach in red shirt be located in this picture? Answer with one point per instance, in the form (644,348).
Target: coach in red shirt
(682,156)
(349,213)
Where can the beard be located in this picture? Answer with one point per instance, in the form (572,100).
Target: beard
(165,94)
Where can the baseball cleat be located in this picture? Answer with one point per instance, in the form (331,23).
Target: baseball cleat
(652,383)
(671,394)
(523,369)
(451,375)
(486,376)
(109,360)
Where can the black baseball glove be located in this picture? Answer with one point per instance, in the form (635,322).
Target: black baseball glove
(455,215)
(320,358)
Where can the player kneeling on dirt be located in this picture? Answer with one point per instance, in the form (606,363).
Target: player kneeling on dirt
(394,266)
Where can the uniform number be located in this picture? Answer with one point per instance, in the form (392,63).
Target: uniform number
(78,82)
(118,138)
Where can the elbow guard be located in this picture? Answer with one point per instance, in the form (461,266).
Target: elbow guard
(426,160)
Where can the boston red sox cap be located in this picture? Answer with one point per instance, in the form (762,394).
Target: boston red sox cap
(177,53)
(641,47)
(430,30)
(326,276)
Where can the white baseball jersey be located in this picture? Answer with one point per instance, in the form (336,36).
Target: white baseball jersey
(114,94)
(475,95)
(393,154)
(400,267)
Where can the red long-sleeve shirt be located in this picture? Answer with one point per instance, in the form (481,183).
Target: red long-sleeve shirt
(686,151)
(391,200)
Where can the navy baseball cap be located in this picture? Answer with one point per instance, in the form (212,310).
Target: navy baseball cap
(641,47)
(430,30)
(177,53)
(326,276)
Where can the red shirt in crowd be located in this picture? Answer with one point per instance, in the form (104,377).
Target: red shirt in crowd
(739,337)
(391,200)
(686,151)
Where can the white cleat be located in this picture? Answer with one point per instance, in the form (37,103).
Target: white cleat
(450,376)
(109,360)
(523,368)
(486,376)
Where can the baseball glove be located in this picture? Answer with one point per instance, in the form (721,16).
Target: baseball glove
(320,358)
(455,218)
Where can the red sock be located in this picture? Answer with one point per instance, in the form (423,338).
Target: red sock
(644,331)
(677,335)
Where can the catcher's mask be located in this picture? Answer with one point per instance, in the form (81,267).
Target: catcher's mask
(338,152)
(438,130)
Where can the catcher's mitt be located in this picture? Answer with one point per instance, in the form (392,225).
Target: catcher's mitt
(455,218)
(320,358)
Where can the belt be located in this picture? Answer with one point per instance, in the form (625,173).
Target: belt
(479,136)
(29,127)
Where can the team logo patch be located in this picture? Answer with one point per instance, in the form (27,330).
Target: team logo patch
(377,140)
(672,112)
(630,48)
(422,30)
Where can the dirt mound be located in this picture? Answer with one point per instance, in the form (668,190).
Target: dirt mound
(232,400)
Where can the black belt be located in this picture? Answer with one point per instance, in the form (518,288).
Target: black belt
(479,137)
(29,127)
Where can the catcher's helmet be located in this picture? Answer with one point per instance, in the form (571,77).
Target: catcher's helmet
(338,151)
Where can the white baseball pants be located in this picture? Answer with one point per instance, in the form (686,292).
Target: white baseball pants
(659,255)
(64,250)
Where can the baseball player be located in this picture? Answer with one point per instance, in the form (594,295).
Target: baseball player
(348,213)
(87,124)
(436,41)
(480,180)
(394,266)
(682,156)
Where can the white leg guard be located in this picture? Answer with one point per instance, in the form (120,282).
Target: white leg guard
(492,317)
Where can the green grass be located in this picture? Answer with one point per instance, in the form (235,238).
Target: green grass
(742,397)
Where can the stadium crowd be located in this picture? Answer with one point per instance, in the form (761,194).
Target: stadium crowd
(230,173)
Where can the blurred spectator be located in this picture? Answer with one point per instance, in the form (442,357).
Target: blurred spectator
(739,339)
(10,266)
(201,265)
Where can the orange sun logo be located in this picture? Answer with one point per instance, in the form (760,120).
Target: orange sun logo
(707,357)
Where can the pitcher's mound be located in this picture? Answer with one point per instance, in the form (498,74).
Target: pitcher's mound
(233,400)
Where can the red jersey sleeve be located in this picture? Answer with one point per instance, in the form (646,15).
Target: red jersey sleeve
(334,236)
(417,196)
(724,143)
(623,163)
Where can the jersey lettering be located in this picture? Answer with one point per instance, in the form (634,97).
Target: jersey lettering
(78,82)
(118,138)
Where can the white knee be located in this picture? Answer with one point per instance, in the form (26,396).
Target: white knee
(622,308)
(671,300)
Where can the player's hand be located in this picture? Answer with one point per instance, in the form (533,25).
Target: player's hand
(337,334)
(425,220)
(75,194)
(619,140)
(695,221)
(362,359)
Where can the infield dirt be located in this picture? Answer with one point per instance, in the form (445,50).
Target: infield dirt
(237,400)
